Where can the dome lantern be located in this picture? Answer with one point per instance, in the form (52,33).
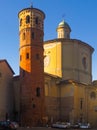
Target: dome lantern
(63,30)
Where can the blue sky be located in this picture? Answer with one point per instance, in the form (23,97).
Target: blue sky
(81,15)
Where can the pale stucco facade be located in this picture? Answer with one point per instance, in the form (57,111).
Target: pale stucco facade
(68,78)
(67,100)
(68,58)
(6,90)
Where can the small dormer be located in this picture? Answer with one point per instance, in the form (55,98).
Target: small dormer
(63,30)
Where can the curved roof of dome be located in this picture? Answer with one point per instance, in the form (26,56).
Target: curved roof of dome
(64,24)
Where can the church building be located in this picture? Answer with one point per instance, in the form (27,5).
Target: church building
(55,80)
(69,91)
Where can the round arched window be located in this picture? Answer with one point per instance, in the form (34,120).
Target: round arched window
(20,22)
(93,95)
(84,62)
(27,19)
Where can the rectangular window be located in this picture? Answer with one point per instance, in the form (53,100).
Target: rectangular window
(27,55)
(37,56)
(20,57)
(23,36)
(36,20)
(81,103)
(38,92)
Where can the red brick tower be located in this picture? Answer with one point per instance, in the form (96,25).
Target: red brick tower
(31,34)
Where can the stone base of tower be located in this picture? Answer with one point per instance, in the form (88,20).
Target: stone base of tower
(30,118)
(28,121)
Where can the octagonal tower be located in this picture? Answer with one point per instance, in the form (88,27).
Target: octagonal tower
(31,32)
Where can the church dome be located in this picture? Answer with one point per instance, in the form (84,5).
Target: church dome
(63,30)
(64,25)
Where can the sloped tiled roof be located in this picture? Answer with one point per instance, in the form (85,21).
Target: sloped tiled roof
(3,60)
